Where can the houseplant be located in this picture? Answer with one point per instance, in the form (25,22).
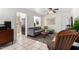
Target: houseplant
(76,25)
(51,31)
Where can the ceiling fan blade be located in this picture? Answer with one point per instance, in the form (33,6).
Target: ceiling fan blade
(50,8)
(56,9)
(53,10)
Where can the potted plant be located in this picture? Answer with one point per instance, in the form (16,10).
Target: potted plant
(45,28)
(51,31)
(76,25)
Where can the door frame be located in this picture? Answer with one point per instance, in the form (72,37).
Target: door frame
(19,16)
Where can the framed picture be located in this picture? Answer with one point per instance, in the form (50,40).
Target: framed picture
(37,21)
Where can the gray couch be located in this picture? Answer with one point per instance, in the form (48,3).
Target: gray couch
(34,31)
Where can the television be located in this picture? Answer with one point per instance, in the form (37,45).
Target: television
(7,24)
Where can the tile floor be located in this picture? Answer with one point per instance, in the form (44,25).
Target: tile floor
(26,44)
(30,43)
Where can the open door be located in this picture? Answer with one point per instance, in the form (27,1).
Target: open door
(21,25)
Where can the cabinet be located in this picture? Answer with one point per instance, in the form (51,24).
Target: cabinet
(6,36)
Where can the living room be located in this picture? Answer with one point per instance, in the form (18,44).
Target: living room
(34,28)
(39,29)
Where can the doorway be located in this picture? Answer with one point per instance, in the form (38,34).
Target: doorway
(21,25)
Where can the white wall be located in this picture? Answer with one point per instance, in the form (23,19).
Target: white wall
(10,14)
(63,16)
(61,19)
(75,13)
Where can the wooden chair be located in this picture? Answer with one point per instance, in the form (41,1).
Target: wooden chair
(64,40)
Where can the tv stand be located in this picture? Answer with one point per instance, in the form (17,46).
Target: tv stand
(6,36)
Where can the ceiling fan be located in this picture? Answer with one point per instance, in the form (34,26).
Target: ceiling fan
(53,10)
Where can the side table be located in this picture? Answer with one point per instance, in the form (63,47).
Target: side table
(44,34)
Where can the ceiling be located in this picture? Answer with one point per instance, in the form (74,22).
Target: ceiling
(44,11)
(41,11)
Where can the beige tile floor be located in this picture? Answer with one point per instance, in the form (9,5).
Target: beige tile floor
(29,44)
(26,44)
